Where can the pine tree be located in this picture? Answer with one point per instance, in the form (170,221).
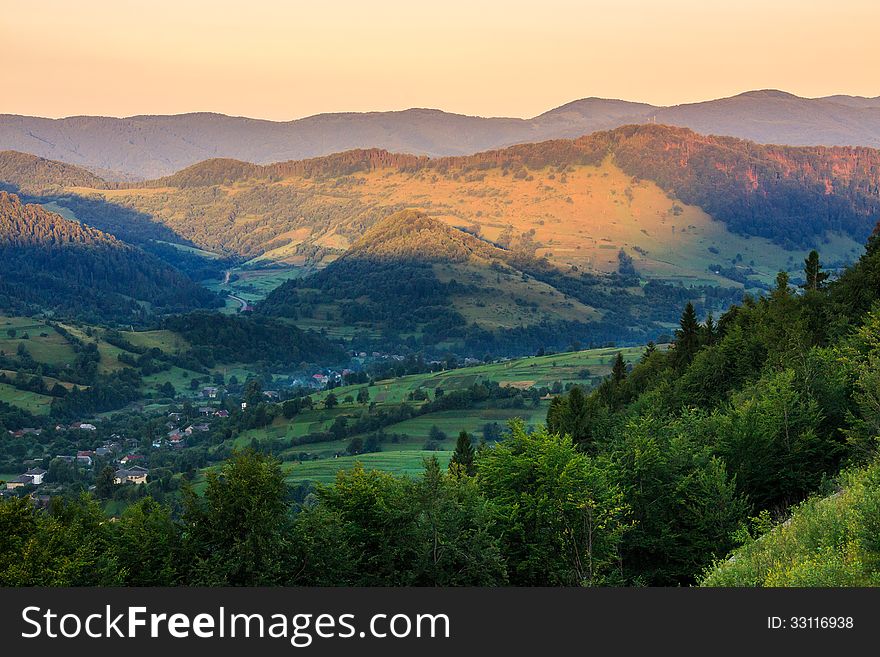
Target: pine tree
(687,338)
(462,462)
(650,348)
(710,331)
(618,370)
(815,277)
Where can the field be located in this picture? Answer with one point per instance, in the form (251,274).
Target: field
(166,341)
(44,344)
(402,463)
(525,372)
(407,441)
(29,401)
(253,283)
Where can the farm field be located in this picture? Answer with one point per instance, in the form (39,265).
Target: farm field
(324,471)
(29,401)
(44,343)
(407,440)
(531,371)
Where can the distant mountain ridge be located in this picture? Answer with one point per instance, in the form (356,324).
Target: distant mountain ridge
(145,147)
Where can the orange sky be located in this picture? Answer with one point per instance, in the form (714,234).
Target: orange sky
(288,59)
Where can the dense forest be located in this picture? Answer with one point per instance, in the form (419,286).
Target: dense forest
(650,479)
(50,263)
(220,338)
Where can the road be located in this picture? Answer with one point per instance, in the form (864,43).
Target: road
(244,304)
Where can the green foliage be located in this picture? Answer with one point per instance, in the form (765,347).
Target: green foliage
(828,541)
(563,516)
(237,534)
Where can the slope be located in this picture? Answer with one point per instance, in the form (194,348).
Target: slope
(50,263)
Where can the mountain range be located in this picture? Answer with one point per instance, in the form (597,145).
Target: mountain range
(143,147)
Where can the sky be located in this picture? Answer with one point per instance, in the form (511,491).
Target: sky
(285,59)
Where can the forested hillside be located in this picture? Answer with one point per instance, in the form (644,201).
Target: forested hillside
(50,263)
(424,284)
(30,173)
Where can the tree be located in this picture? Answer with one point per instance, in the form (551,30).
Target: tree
(814,276)
(330,401)
(618,370)
(687,338)
(710,331)
(253,393)
(462,462)
(562,516)
(363,396)
(650,348)
(237,533)
(104,483)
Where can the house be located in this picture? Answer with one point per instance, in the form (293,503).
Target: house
(85,457)
(206,410)
(36,474)
(102,451)
(174,433)
(174,417)
(157,443)
(125,460)
(223,413)
(27,431)
(200,427)
(210,392)
(270,394)
(19,481)
(136,475)
(83,426)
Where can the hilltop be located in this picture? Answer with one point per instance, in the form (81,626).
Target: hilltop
(143,147)
(414,280)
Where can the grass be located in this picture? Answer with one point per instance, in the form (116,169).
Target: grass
(582,217)
(50,348)
(324,471)
(404,456)
(525,372)
(29,401)
(166,341)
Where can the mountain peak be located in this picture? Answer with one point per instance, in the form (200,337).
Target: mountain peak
(412,234)
(768,94)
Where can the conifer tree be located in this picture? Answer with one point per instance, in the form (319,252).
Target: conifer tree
(650,348)
(710,331)
(815,277)
(462,462)
(618,370)
(687,338)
